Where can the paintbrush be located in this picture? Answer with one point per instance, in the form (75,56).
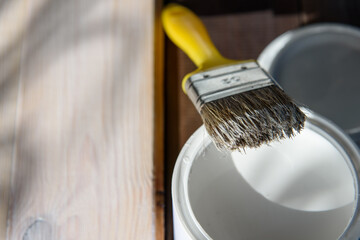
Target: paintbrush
(240,104)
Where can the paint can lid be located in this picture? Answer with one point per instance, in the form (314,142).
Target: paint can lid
(319,66)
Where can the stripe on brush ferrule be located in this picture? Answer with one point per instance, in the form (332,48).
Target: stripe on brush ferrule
(215,84)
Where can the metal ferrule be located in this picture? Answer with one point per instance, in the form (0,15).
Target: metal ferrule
(214,84)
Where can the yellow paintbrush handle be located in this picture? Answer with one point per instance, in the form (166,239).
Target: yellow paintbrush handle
(187,31)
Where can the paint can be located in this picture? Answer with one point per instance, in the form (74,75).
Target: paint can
(269,193)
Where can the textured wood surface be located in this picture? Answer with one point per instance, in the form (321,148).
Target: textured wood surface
(159,126)
(76,126)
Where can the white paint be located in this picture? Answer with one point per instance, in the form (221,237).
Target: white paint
(305,173)
(227,207)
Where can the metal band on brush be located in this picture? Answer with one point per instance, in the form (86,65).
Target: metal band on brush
(226,81)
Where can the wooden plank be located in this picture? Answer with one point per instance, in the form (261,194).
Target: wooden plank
(10,58)
(77,120)
(171,127)
(159,135)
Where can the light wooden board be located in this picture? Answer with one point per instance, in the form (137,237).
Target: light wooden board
(76,124)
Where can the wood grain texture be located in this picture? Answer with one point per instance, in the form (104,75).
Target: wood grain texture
(159,125)
(76,128)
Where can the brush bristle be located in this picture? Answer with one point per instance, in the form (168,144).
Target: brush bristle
(252,118)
